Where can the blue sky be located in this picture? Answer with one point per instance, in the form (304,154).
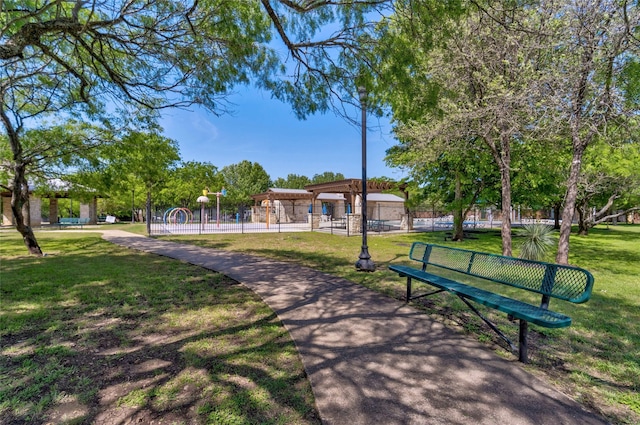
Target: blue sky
(266,131)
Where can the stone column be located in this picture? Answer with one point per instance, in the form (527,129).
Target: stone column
(53,210)
(35,211)
(93,211)
(84,211)
(355,223)
(7,214)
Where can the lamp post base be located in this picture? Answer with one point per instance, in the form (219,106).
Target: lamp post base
(364,263)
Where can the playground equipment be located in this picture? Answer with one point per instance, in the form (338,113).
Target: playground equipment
(203,199)
(177,215)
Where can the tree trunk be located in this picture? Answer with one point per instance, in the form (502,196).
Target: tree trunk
(148,211)
(583,224)
(505,230)
(19,188)
(562,257)
(17,206)
(502,157)
(458,219)
(505,179)
(556,216)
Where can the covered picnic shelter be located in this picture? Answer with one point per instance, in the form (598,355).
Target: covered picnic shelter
(87,209)
(326,201)
(351,191)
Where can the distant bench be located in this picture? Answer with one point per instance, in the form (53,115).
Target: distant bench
(446,268)
(72,221)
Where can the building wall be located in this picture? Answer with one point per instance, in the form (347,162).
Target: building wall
(35,211)
(35,207)
(7,214)
(385,210)
(288,211)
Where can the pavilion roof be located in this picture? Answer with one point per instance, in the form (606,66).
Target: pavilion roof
(350,186)
(283,194)
(331,191)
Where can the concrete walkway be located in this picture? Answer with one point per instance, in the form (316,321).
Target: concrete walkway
(373,360)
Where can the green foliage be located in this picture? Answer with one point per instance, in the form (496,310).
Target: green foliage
(48,151)
(612,169)
(242,180)
(505,75)
(293,181)
(630,78)
(539,173)
(186,182)
(401,56)
(327,176)
(537,240)
(82,59)
(138,158)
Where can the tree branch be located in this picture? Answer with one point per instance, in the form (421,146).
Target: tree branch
(612,216)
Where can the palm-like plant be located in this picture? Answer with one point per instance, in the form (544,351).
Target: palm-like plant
(537,239)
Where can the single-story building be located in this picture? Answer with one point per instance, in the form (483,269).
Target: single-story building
(87,210)
(326,201)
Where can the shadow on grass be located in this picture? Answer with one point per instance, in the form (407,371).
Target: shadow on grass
(597,347)
(108,336)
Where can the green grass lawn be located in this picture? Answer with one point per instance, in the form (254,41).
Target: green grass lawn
(96,333)
(59,311)
(596,360)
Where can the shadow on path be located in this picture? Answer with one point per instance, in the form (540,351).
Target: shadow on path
(372,359)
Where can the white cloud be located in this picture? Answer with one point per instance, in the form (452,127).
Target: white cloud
(189,126)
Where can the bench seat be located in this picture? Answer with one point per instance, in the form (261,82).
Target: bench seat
(547,280)
(516,308)
(72,221)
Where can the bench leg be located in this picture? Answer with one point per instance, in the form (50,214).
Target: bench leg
(488,322)
(524,330)
(409,297)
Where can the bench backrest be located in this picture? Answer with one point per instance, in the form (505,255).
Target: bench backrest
(551,280)
(74,220)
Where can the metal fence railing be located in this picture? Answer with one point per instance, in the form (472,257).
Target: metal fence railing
(381,219)
(184,222)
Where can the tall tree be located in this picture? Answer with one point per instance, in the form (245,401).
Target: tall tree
(597,48)
(458,178)
(140,159)
(186,183)
(74,57)
(293,181)
(609,185)
(45,151)
(510,73)
(479,82)
(327,176)
(244,179)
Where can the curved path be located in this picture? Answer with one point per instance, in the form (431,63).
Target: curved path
(373,360)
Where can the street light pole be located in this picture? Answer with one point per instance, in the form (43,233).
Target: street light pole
(364,262)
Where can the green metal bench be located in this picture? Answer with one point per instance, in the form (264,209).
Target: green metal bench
(453,270)
(72,221)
